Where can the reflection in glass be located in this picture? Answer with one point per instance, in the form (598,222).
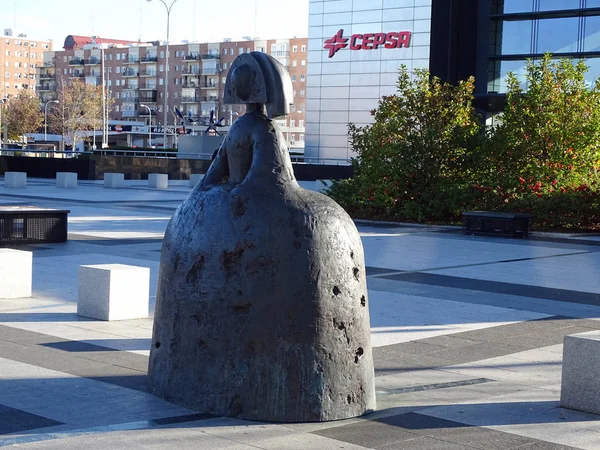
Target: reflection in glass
(498,77)
(592,4)
(594,70)
(592,34)
(515,37)
(558,35)
(557,5)
(511,6)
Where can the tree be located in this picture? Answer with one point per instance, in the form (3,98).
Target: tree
(79,109)
(413,162)
(549,135)
(22,114)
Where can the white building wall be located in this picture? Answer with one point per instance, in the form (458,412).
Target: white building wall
(346,87)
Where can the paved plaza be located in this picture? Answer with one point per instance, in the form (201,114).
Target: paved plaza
(467,334)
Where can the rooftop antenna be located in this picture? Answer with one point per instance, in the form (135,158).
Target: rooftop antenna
(92,23)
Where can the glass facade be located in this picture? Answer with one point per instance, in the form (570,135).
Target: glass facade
(526,29)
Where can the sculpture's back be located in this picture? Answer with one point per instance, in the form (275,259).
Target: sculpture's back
(262,302)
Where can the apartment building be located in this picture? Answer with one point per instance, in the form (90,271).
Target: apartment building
(134,75)
(19,57)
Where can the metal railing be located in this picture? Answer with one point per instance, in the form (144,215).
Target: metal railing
(146,59)
(76,62)
(189,99)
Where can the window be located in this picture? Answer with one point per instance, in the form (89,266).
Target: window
(224,51)
(292,123)
(301,138)
(303,62)
(6,74)
(301,123)
(162,54)
(293,78)
(293,138)
(302,78)
(160,81)
(241,50)
(118,69)
(293,108)
(161,68)
(7,53)
(117,95)
(110,57)
(302,93)
(176,80)
(118,57)
(294,48)
(224,66)
(248,50)
(117,108)
(118,82)
(231,51)
(123,56)
(304,48)
(223,80)
(294,63)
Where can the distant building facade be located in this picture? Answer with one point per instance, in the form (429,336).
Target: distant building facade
(19,57)
(134,75)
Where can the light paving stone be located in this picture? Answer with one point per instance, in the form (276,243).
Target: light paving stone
(113,291)
(580,381)
(15,180)
(158,180)
(114,180)
(16,273)
(66,180)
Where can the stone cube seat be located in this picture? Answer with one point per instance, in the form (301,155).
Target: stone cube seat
(158,180)
(16,273)
(114,180)
(66,179)
(580,388)
(113,292)
(17,180)
(196,178)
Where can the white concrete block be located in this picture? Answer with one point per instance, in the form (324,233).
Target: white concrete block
(15,273)
(114,180)
(15,180)
(580,388)
(113,292)
(158,180)
(66,179)
(196,178)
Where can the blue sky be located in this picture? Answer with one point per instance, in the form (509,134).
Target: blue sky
(202,20)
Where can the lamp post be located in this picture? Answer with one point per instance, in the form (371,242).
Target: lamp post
(149,124)
(1,107)
(46,119)
(168,8)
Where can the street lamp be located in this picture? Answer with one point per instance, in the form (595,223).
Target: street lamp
(46,119)
(168,8)
(1,107)
(149,125)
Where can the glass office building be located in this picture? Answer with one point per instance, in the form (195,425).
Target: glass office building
(453,38)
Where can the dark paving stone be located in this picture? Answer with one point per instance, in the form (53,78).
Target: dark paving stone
(425,443)
(404,362)
(402,431)
(431,387)
(15,421)
(522,290)
(368,434)
(182,419)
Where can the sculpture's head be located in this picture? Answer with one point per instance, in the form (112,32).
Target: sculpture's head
(258,78)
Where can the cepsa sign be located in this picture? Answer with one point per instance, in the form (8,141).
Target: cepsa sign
(367,41)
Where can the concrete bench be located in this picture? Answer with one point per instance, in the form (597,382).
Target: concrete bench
(196,178)
(114,180)
(489,222)
(16,270)
(66,179)
(580,388)
(113,292)
(158,180)
(17,180)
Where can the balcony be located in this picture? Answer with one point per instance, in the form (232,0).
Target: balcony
(190,84)
(211,56)
(209,98)
(46,87)
(130,73)
(128,113)
(210,71)
(148,59)
(191,73)
(92,61)
(77,62)
(47,64)
(209,85)
(150,73)
(191,57)
(189,99)
(77,74)
(133,60)
(130,99)
(46,76)
(147,87)
(280,54)
(148,97)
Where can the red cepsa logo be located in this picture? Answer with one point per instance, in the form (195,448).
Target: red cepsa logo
(368,41)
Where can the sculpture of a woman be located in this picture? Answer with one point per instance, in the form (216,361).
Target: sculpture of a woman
(261,308)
